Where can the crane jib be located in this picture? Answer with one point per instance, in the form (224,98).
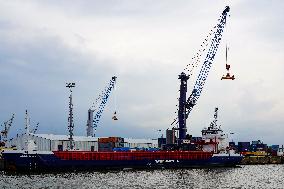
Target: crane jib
(105,97)
(203,74)
(207,64)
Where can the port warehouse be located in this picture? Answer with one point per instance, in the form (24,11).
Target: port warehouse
(51,142)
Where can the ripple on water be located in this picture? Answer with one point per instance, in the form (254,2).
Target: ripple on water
(249,176)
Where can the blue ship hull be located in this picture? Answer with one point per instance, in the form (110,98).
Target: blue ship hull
(50,162)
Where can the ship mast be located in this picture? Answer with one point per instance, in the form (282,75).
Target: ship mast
(213,124)
(27,127)
(70,117)
(27,123)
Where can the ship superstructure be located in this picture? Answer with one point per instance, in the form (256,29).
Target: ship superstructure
(214,134)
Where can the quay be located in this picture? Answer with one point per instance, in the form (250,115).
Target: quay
(256,160)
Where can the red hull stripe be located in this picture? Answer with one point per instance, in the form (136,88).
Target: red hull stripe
(137,155)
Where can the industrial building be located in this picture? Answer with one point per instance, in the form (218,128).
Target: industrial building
(51,142)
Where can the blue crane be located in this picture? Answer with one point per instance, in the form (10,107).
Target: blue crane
(186,105)
(95,112)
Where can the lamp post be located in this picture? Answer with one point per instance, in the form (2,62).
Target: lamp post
(70,117)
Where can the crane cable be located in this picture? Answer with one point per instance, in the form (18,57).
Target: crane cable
(114,117)
(196,60)
(228,66)
(226,38)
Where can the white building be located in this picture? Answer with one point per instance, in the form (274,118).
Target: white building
(51,142)
(140,143)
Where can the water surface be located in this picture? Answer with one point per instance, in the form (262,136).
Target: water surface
(247,176)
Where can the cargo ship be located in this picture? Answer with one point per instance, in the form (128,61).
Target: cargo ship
(87,160)
(210,150)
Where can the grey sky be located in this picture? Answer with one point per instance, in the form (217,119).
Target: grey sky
(44,44)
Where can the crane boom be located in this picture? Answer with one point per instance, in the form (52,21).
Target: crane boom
(203,74)
(95,113)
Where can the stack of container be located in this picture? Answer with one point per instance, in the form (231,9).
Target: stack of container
(196,139)
(107,144)
(273,150)
(243,146)
(258,146)
(161,142)
(233,145)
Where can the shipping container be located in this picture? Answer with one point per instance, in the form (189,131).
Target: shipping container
(196,139)
(232,144)
(110,139)
(161,141)
(243,146)
(275,147)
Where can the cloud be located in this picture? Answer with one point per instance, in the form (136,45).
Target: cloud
(146,44)
(34,71)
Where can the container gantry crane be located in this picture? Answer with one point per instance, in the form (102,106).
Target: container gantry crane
(96,110)
(186,104)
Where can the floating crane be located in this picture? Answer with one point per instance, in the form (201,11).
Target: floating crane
(186,105)
(7,126)
(96,110)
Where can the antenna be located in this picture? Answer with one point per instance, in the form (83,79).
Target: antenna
(70,117)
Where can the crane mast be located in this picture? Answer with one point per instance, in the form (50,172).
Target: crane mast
(70,117)
(95,112)
(186,105)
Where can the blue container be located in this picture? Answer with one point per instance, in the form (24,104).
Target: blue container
(243,146)
(196,139)
(161,141)
(123,149)
(232,144)
(275,147)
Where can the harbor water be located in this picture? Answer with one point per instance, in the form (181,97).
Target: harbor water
(245,176)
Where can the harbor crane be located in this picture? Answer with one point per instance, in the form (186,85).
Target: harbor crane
(96,110)
(7,126)
(186,104)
